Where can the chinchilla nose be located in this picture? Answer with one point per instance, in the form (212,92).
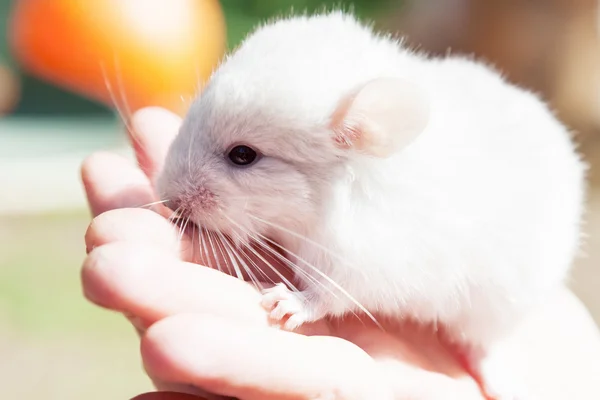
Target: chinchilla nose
(172,204)
(175,205)
(181,209)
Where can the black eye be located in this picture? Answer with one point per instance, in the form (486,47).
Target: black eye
(242,155)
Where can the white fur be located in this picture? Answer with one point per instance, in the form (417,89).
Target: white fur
(468,226)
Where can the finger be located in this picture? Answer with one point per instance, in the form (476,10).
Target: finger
(145,226)
(189,390)
(112,181)
(151,283)
(140,225)
(135,225)
(154,130)
(252,362)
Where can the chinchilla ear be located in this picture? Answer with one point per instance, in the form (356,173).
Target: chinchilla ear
(381,117)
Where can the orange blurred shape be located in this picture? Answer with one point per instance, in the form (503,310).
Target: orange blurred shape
(123,53)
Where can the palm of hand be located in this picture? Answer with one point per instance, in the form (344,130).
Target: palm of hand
(205,331)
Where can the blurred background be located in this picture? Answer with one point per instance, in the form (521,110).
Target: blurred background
(53,344)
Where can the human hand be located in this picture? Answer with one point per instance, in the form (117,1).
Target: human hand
(204,329)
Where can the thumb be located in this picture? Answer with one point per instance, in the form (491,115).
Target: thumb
(154,129)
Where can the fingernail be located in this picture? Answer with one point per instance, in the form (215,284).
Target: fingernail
(139,324)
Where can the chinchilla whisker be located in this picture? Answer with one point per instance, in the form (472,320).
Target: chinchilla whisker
(302,237)
(236,267)
(213,254)
(267,263)
(253,277)
(318,272)
(120,110)
(247,247)
(153,204)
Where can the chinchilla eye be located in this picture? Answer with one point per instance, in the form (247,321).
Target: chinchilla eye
(242,155)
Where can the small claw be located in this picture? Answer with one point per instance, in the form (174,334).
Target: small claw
(280,301)
(284,307)
(273,295)
(269,300)
(294,322)
(278,312)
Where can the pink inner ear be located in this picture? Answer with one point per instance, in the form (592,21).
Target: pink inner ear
(383,116)
(346,135)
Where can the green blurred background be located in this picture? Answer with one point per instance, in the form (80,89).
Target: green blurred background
(54,345)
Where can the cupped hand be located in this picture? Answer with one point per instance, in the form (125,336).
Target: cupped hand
(204,331)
